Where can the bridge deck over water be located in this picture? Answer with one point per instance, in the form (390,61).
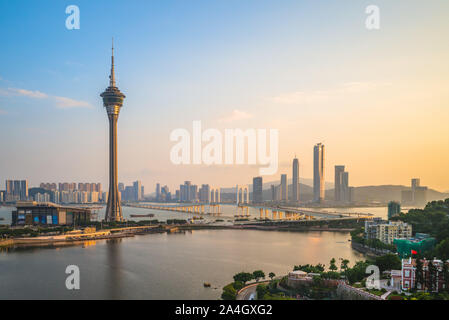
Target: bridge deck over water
(277,212)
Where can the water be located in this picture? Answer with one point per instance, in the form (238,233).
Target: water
(227,212)
(163,266)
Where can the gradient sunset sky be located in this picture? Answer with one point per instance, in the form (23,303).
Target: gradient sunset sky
(378,100)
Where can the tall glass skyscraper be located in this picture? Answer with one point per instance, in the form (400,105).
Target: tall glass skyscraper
(295,182)
(284,188)
(257,190)
(318,173)
(338,182)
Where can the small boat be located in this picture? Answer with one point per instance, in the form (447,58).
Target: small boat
(206,285)
(149,215)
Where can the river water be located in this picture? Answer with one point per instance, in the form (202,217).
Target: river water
(162,266)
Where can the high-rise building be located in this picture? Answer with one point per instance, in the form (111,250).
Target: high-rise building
(137,185)
(344,188)
(55,196)
(318,173)
(420,196)
(121,187)
(113,102)
(16,190)
(158,191)
(343,193)
(295,181)
(257,190)
(284,187)
(204,193)
(9,186)
(394,208)
(165,194)
(417,195)
(338,182)
(188,192)
(273,193)
(48,186)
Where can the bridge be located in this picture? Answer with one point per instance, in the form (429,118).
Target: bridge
(193,208)
(294,213)
(265,212)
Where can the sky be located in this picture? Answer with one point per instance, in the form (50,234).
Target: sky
(377,99)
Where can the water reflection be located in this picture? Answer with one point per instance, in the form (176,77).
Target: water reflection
(163,266)
(114,263)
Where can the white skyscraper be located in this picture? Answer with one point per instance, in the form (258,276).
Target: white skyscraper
(318,173)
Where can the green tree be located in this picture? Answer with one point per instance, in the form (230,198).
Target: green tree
(258,274)
(238,285)
(229,292)
(333,266)
(442,249)
(357,272)
(344,265)
(388,262)
(271,275)
(261,291)
(243,277)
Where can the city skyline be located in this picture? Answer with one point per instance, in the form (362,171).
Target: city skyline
(52,98)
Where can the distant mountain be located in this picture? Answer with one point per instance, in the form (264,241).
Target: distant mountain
(388,193)
(383,193)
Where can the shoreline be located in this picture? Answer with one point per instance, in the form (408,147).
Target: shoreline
(173,229)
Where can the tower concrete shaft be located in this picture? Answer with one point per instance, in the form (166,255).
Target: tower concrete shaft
(113,101)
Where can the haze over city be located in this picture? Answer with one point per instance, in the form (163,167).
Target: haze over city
(380,107)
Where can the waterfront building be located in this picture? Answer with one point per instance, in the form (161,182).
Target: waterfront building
(337,182)
(284,188)
(33,213)
(113,102)
(387,232)
(16,190)
(416,195)
(318,173)
(406,197)
(188,192)
(55,196)
(394,208)
(137,185)
(295,181)
(204,193)
(158,191)
(257,190)
(165,194)
(420,196)
(342,191)
(42,197)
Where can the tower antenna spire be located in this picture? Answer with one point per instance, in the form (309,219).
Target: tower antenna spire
(112,76)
